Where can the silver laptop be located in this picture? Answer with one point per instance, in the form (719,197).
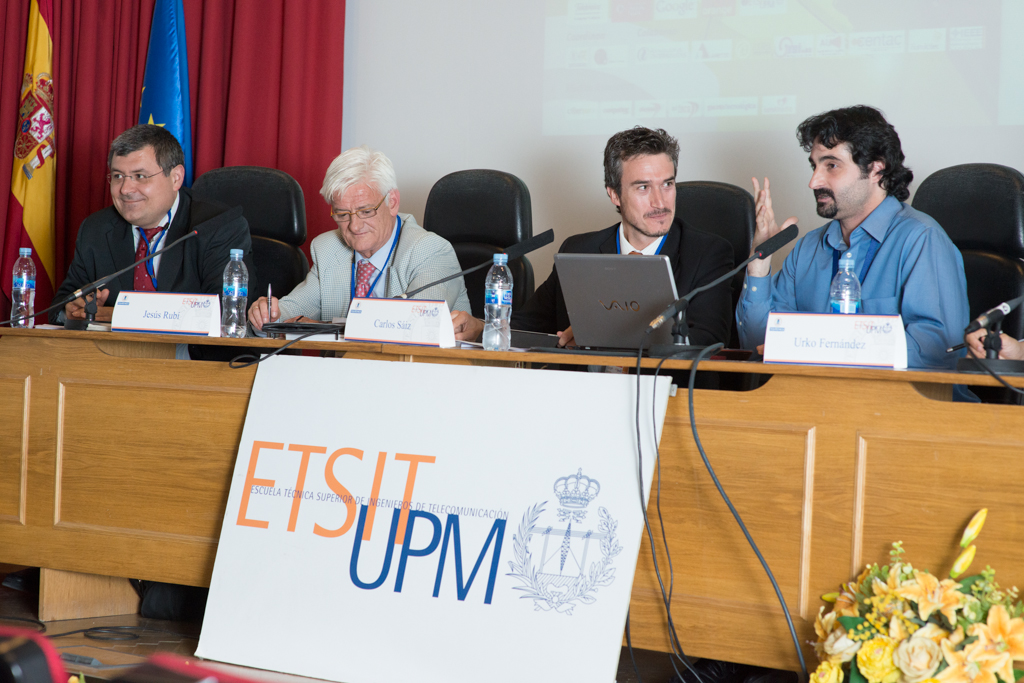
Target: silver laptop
(612,298)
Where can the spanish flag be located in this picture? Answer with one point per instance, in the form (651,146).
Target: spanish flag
(30,214)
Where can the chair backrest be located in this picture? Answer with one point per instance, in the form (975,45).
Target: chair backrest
(482,212)
(280,265)
(724,210)
(271,200)
(981,208)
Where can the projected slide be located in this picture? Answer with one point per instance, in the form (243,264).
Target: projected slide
(719,65)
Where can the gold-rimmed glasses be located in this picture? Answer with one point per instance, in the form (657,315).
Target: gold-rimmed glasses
(345,217)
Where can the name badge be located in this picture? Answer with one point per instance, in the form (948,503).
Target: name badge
(833,339)
(400,321)
(167,313)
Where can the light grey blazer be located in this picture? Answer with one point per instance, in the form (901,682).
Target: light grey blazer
(420,258)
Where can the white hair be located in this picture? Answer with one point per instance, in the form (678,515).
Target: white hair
(358,165)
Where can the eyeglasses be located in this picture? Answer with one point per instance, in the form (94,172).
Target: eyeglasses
(116,179)
(345,217)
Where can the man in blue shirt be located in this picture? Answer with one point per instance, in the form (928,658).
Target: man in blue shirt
(905,262)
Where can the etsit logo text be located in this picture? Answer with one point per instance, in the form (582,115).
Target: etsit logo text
(444,535)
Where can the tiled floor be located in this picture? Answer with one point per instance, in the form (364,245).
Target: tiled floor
(107,659)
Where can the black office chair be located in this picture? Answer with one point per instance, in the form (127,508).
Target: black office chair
(981,208)
(481,213)
(724,210)
(272,203)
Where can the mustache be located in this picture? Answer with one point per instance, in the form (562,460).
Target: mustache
(657,213)
(818,194)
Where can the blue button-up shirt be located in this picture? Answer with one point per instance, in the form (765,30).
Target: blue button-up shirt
(917,272)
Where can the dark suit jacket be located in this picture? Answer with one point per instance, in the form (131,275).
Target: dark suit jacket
(105,245)
(697,258)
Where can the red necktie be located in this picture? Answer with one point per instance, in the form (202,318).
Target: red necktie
(364,271)
(143,283)
(635,253)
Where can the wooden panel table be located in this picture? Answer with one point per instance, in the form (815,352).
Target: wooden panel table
(828,466)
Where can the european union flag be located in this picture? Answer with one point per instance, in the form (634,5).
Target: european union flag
(165,100)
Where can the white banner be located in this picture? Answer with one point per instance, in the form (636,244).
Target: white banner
(390,522)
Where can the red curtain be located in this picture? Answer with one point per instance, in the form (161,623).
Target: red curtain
(265,80)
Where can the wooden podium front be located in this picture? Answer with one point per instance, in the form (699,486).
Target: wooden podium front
(828,466)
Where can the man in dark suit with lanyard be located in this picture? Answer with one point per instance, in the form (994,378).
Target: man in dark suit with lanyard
(640,179)
(151,209)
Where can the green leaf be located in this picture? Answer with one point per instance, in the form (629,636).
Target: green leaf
(1018,674)
(855,674)
(850,623)
(967,582)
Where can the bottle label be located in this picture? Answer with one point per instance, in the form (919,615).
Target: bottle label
(845,306)
(24,283)
(497,297)
(235,290)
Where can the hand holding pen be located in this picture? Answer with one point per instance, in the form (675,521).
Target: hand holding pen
(264,310)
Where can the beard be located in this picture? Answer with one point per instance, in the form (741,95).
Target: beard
(826,210)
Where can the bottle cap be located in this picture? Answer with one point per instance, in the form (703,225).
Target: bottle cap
(846,261)
(25,251)
(500,259)
(236,253)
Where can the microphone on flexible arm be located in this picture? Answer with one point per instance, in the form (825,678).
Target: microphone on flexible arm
(994,316)
(762,251)
(96,285)
(515,251)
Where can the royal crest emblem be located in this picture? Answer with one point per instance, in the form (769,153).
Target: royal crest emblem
(35,123)
(554,564)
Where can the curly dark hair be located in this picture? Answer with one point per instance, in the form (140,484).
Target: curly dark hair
(871,138)
(637,141)
(165,146)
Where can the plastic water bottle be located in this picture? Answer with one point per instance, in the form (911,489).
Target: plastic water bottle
(498,305)
(844,296)
(23,291)
(233,297)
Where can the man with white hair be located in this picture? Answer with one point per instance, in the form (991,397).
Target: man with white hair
(375,252)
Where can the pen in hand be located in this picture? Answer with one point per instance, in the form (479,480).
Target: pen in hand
(951,349)
(270,303)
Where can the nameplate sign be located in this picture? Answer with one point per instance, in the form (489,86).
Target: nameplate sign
(833,339)
(400,321)
(167,313)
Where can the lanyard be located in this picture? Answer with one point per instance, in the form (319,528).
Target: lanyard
(618,246)
(872,250)
(373,285)
(152,248)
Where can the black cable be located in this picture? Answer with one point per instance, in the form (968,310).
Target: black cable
(254,359)
(629,644)
(978,361)
(736,514)
(674,643)
(29,620)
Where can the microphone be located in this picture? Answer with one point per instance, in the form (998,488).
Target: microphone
(994,316)
(517,250)
(98,284)
(763,250)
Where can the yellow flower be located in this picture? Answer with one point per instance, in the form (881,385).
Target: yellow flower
(932,632)
(875,660)
(828,672)
(830,597)
(965,666)
(974,527)
(963,562)
(931,595)
(1000,642)
(917,658)
(846,605)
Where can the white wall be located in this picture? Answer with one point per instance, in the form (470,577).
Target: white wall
(455,84)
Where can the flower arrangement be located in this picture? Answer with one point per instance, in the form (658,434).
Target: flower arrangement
(898,624)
